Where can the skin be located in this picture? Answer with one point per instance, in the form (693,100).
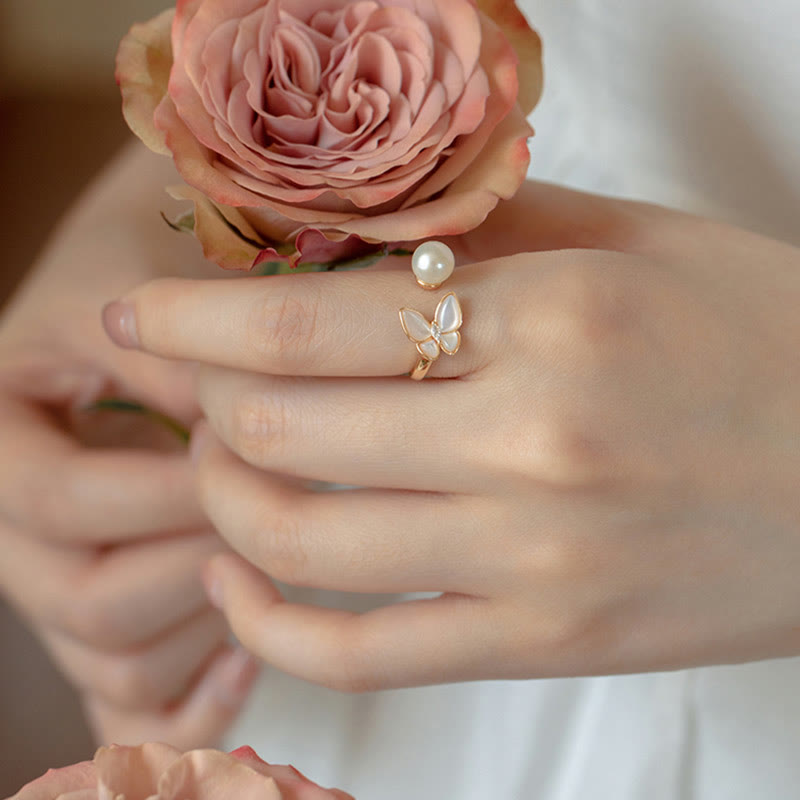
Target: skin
(602,480)
(102,538)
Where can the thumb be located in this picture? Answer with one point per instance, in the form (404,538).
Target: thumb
(201,720)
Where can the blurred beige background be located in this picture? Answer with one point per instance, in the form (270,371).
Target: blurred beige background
(60,45)
(59,121)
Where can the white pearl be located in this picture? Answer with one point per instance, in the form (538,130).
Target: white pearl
(433,263)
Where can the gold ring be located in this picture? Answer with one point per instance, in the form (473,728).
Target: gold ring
(432,338)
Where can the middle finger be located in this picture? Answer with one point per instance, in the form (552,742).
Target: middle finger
(377,432)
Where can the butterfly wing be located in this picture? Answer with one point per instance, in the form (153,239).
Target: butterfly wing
(449,318)
(428,349)
(418,329)
(450,342)
(448,314)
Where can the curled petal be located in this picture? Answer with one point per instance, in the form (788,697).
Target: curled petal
(144,60)
(293,784)
(132,772)
(499,57)
(466,203)
(323,247)
(212,775)
(527,44)
(55,782)
(226,236)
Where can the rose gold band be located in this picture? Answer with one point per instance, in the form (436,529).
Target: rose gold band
(421,369)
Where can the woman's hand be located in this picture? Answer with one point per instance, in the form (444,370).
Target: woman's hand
(603,479)
(101,536)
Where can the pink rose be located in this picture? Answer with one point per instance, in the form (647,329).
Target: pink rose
(334,125)
(160,772)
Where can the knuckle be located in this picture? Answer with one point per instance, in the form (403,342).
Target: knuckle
(573,454)
(283,326)
(585,631)
(591,306)
(562,633)
(282,548)
(259,426)
(566,448)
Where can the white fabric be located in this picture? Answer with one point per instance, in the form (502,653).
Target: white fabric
(690,103)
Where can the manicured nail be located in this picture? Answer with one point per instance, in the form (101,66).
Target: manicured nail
(119,320)
(236,677)
(213,587)
(199,441)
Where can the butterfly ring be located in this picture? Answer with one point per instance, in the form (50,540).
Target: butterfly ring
(431,338)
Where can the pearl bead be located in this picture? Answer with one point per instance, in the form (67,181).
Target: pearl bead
(433,263)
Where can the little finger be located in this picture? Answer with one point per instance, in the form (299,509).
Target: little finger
(449,638)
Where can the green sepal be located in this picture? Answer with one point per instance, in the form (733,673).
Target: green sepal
(183,224)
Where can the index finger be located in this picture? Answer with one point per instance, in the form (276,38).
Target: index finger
(52,486)
(305,324)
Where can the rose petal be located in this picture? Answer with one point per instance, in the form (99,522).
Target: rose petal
(213,228)
(144,60)
(468,200)
(500,61)
(54,782)
(293,784)
(211,775)
(323,247)
(526,43)
(132,772)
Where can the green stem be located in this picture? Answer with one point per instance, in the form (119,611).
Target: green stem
(129,407)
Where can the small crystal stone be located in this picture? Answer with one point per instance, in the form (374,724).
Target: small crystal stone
(433,263)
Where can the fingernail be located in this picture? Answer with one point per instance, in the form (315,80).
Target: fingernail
(198,441)
(213,587)
(236,677)
(119,320)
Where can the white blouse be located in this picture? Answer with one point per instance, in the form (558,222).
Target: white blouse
(693,104)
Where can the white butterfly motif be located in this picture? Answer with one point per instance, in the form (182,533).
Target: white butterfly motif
(441,334)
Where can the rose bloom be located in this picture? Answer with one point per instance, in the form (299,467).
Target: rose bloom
(331,126)
(160,772)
